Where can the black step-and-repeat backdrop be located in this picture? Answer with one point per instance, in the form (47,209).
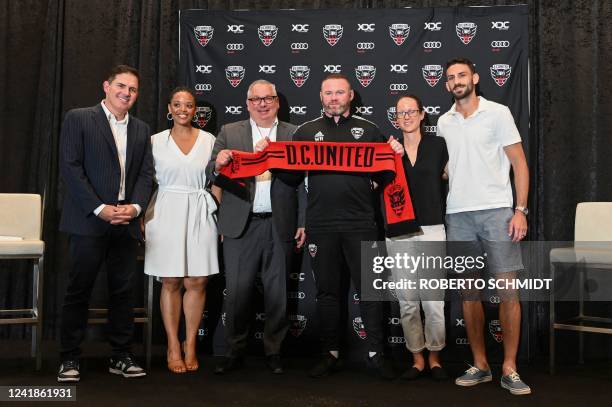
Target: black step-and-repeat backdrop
(386,53)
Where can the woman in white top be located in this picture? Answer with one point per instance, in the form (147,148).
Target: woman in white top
(180,226)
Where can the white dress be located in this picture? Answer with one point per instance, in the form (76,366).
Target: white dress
(180,228)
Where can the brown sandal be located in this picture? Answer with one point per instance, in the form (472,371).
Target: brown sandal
(191,364)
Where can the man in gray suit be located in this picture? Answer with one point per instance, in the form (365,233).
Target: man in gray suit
(259,233)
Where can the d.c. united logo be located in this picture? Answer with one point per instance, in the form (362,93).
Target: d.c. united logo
(397,197)
(332,33)
(297,324)
(500,73)
(299,74)
(495,330)
(202,115)
(399,33)
(365,74)
(392,116)
(466,32)
(234,74)
(204,34)
(267,34)
(432,74)
(312,250)
(359,328)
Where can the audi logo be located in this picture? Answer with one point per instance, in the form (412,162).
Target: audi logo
(355,297)
(299,45)
(433,26)
(300,295)
(258,335)
(203,68)
(368,28)
(500,44)
(260,316)
(432,44)
(459,322)
(398,86)
(462,341)
(298,276)
(267,68)
(300,28)
(500,25)
(203,87)
(225,292)
(365,45)
(432,109)
(235,28)
(234,47)
(494,299)
(365,110)
(396,339)
(431,129)
(332,68)
(301,110)
(399,68)
(233,109)
(394,321)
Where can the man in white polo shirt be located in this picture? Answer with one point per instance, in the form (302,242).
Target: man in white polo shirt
(483,143)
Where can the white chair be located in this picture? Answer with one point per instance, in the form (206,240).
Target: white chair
(592,250)
(20,238)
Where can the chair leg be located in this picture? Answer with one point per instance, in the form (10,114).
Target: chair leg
(552,321)
(581,288)
(149,326)
(37,306)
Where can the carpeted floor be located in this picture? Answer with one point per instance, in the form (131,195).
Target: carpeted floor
(576,385)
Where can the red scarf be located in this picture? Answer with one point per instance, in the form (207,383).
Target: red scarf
(317,156)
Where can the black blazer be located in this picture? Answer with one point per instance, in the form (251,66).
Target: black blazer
(89,167)
(288,203)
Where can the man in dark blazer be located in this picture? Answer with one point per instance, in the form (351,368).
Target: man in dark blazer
(107,169)
(259,233)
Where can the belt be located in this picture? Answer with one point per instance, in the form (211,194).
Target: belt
(261,215)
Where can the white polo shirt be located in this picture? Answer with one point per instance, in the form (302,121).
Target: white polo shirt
(263,182)
(478,167)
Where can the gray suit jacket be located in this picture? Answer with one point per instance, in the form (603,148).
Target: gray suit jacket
(288,203)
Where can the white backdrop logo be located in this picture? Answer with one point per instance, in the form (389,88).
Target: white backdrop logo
(300,28)
(365,74)
(204,34)
(500,73)
(235,110)
(295,46)
(366,28)
(297,324)
(202,115)
(399,33)
(332,33)
(365,110)
(432,110)
(433,25)
(359,328)
(332,68)
(203,87)
(466,32)
(432,45)
(235,47)
(392,117)
(299,74)
(234,74)
(397,68)
(235,28)
(267,69)
(267,34)
(500,44)
(500,25)
(362,46)
(432,74)
(299,110)
(203,68)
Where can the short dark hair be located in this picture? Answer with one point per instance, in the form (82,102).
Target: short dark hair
(413,97)
(462,61)
(338,76)
(119,69)
(181,89)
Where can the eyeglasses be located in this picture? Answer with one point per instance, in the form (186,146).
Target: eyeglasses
(407,113)
(266,99)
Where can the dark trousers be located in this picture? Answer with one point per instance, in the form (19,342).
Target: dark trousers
(258,250)
(332,253)
(117,250)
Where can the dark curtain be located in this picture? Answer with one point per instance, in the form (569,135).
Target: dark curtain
(56,53)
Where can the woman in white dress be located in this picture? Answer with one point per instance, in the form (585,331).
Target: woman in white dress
(180,227)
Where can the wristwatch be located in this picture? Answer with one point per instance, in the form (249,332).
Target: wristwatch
(522,209)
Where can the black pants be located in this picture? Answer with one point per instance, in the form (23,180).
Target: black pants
(332,253)
(118,251)
(258,250)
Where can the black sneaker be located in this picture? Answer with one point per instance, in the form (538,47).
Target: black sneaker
(69,372)
(125,366)
(327,365)
(381,366)
(274,364)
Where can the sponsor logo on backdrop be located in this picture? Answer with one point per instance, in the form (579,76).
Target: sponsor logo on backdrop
(332,68)
(365,110)
(260,316)
(500,25)
(397,68)
(223,318)
(203,115)
(234,47)
(495,330)
(297,46)
(203,34)
(495,299)
(365,74)
(267,34)
(235,28)
(500,73)
(429,45)
(299,74)
(462,341)
(300,28)
(399,33)
(460,322)
(332,33)
(233,109)
(297,324)
(392,117)
(432,110)
(203,87)
(356,298)
(301,110)
(396,340)
(432,74)
(466,32)
(433,25)
(393,321)
(296,295)
(312,248)
(500,44)
(258,335)
(363,46)
(234,74)
(267,69)
(357,132)
(359,328)
(395,87)
(430,129)
(203,332)
(366,27)
(203,68)
(297,276)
